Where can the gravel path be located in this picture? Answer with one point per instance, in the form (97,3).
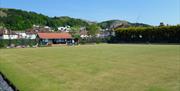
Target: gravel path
(4,86)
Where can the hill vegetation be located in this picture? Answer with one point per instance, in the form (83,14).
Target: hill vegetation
(16,19)
(20,20)
(120,23)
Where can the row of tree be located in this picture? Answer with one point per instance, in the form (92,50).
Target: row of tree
(163,34)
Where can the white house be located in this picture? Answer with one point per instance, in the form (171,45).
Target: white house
(5,34)
(31,36)
(21,34)
(64,29)
(26,35)
(9,36)
(83,33)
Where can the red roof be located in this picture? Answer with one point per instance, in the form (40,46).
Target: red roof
(54,35)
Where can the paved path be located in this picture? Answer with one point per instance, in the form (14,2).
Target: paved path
(4,86)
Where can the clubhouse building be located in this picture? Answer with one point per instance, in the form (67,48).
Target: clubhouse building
(54,38)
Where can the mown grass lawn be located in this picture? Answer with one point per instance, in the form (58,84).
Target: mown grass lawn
(101,67)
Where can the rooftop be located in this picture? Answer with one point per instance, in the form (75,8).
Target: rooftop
(54,35)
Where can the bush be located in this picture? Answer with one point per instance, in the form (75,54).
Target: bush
(1,44)
(17,42)
(92,40)
(165,34)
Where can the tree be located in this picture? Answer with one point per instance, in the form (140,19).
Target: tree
(93,29)
(74,30)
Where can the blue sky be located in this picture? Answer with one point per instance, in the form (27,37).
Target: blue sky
(145,11)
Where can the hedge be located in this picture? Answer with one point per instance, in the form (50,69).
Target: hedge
(93,40)
(165,34)
(17,42)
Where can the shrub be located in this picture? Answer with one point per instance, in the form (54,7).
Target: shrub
(1,44)
(17,42)
(164,34)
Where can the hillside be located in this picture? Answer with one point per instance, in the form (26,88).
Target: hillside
(120,23)
(16,19)
(20,20)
